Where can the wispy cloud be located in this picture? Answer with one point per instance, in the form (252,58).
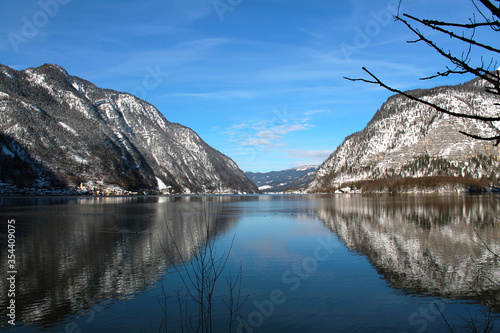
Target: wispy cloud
(270,136)
(266,135)
(240,126)
(313,112)
(177,55)
(269,142)
(309,154)
(270,133)
(194,10)
(217,94)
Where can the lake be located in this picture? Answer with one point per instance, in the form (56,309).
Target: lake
(307,263)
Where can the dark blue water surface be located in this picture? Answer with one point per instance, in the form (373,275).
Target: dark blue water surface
(309,263)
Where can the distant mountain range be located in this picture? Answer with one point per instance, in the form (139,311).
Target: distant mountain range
(408,146)
(59,131)
(279,181)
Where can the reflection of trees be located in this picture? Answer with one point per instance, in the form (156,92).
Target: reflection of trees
(424,244)
(73,255)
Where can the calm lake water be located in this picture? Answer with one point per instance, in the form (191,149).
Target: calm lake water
(312,263)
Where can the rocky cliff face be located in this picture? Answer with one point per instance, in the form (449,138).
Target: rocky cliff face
(58,130)
(406,139)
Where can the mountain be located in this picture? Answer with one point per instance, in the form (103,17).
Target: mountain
(279,181)
(60,131)
(408,145)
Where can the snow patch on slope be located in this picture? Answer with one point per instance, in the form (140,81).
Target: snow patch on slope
(67,128)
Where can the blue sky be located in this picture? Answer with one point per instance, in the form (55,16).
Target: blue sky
(261,81)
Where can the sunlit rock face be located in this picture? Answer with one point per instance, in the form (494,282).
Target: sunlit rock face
(72,256)
(406,139)
(61,130)
(425,245)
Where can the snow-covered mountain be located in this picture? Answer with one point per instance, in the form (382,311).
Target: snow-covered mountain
(279,181)
(408,140)
(58,130)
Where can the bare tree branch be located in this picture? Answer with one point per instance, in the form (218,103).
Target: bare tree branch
(493,9)
(462,25)
(452,34)
(438,108)
(461,63)
(446,73)
(477,137)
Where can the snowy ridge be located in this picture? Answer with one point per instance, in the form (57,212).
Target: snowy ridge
(102,140)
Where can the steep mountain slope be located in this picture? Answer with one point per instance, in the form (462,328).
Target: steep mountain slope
(406,139)
(66,131)
(278,181)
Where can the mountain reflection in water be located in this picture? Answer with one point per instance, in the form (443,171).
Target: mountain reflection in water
(77,255)
(424,244)
(73,253)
